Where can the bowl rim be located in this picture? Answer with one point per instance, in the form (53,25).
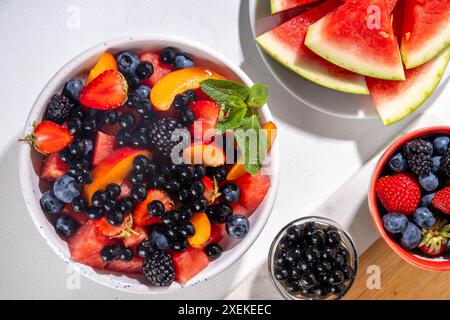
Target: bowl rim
(415,260)
(35,112)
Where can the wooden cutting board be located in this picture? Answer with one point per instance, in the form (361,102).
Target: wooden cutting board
(399,279)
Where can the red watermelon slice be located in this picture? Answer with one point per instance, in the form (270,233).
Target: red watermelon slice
(282,5)
(391,4)
(285,44)
(426,30)
(394,100)
(358,36)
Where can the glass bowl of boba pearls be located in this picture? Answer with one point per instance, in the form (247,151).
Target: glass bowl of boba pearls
(313,258)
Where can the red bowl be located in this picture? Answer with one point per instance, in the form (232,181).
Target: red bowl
(434,264)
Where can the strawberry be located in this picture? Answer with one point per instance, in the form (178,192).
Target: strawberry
(434,240)
(200,95)
(253,190)
(211,192)
(141,217)
(106,91)
(399,193)
(48,137)
(206,115)
(160,69)
(104,145)
(122,231)
(441,200)
(53,167)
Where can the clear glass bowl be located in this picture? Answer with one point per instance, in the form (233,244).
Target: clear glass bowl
(347,242)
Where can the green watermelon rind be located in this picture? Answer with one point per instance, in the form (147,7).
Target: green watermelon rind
(318,45)
(273,48)
(418,97)
(436,46)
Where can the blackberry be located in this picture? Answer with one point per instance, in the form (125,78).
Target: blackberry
(58,109)
(159,269)
(446,163)
(160,134)
(419,153)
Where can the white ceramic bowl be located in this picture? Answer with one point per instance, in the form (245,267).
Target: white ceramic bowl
(331,102)
(30,161)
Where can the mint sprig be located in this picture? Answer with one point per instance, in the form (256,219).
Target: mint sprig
(238,103)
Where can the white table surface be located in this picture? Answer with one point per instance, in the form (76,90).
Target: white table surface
(319,153)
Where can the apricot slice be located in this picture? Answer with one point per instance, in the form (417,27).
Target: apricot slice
(202,228)
(238,169)
(113,169)
(106,62)
(207,154)
(177,82)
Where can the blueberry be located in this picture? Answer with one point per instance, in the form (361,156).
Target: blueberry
(108,253)
(182,61)
(231,193)
(441,145)
(187,116)
(237,226)
(187,229)
(115,218)
(144,70)
(50,204)
(126,120)
(143,92)
(181,101)
(155,208)
(213,251)
(114,190)
(79,204)
(411,236)
(88,146)
(94,213)
(168,55)
(160,240)
(336,277)
(123,138)
(436,164)
(398,162)
(424,218)
(126,255)
(133,81)
(66,188)
(395,222)
(426,200)
(333,238)
(430,146)
(127,62)
(222,212)
(429,181)
(66,226)
(73,88)
(110,117)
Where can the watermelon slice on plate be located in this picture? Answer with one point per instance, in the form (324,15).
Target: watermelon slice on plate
(426,30)
(282,5)
(394,100)
(285,43)
(358,36)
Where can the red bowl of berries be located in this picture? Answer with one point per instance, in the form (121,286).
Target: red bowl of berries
(139,169)
(409,198)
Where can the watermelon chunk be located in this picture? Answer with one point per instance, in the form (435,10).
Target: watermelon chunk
(134,266)
(217,233)
(79,217)
(426,30)
(238,209)
(282,5)
(394,100)
(285,43)
(188,264)
(53,167)
(206,115)
(85,245)
(159,69)
(358,36)
(253,190)
(136,238)
(104,145)
(391,4)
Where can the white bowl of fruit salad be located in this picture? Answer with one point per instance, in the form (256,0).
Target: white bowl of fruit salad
(137,171)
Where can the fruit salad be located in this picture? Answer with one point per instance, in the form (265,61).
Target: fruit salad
(414,196)
(148,166)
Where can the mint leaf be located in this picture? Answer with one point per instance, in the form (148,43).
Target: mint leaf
(253,143)
(221,90)
(258,95)
(232,120)
(234,102)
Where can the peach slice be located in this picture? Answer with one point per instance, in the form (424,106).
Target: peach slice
(207,154)
(106,62)
(177,82)
(202,228)
(238,169)
(113,169)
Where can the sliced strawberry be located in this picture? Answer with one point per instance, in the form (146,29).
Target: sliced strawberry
(434,240)
(141,217)
(399,193)
(85,245)
(211,192)
(79,217)
(206,116)
(53,167)
(188,264)
(238,209)
(253,190)
(48,137)
(134,266)
(217,233)
(137,235)
(106,91)
(108,230)
(104,145)
(200,95)
(441,200)
(159,69)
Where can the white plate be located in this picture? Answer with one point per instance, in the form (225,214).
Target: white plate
(326,100)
